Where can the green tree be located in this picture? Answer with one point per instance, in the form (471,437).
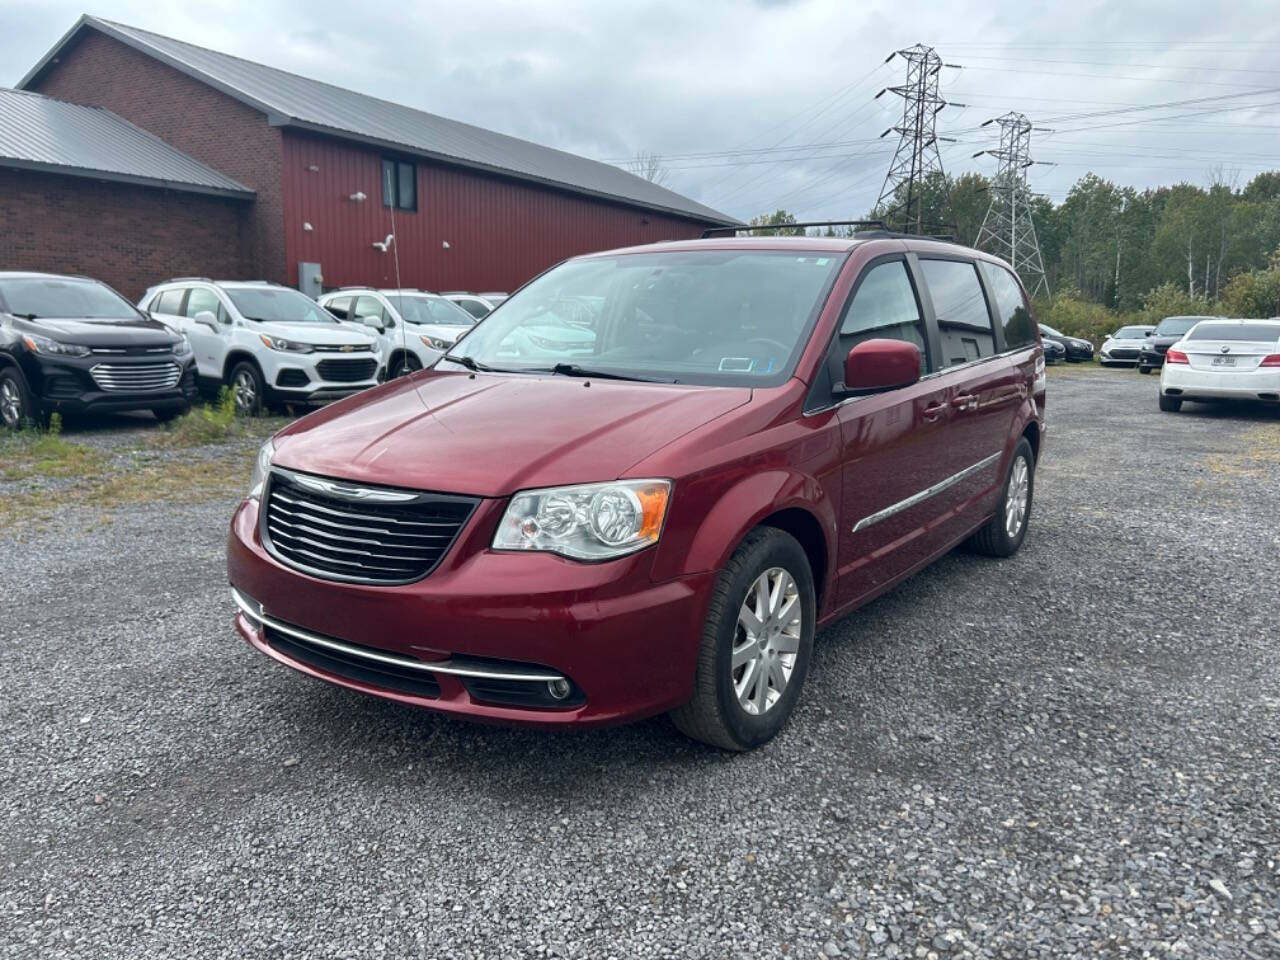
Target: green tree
(778,219)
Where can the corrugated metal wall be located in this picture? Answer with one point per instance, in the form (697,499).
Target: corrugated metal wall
(499,232)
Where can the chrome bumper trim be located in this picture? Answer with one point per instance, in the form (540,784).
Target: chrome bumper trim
(253,610)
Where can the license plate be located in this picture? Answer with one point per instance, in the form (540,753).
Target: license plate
(1224,361)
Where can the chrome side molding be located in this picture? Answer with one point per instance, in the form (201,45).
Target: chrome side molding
(925,494)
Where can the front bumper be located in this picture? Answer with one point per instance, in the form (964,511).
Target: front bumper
(1181,380)
(1151,358)
(1079,353)
(322,376)
(628,646)
(67,385)
(1119,355)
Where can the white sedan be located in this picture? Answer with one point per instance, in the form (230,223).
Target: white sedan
(1223,360)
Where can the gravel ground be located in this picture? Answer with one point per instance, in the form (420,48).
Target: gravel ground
(1074,752)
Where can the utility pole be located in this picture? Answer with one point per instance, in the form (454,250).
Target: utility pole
(916,160)
(1007,229)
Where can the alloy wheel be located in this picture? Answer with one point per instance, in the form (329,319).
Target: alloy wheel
(766,640)
(246,391)
(1015,499)
(10,404)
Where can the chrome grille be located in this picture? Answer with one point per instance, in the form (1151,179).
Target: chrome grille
(339,531)
(136,377)
(347,371)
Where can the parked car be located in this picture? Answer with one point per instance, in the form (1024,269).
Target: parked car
(1053,351)
(1223,360)
(765,434)
(495,298)
(415,327)
(1075,349)
(476,305)
(273,344)
(72,344)
(1122,347)
(1166,333)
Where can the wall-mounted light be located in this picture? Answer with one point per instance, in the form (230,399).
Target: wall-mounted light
(313,167)
(307,227)
(358,196)
(384,244)
(445,244)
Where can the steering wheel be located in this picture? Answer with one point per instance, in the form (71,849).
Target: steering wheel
(781,347)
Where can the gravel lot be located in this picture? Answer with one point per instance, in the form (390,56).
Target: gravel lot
(1076,752)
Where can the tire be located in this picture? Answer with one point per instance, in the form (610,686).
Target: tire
(716,715)
(18,408)
(1143,370)
(995,539)
(405,364)
(251,390)
(1170,404)
(169,414)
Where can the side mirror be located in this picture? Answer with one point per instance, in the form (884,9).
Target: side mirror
(881,365)
(206,318)
(372,321)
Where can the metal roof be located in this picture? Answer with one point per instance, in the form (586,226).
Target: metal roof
(290,100)
(41,133)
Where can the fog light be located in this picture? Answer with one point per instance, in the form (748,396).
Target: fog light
(559,689)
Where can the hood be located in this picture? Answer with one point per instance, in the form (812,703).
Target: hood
(321,334)
(491,435)
(1165,341)
(136,332)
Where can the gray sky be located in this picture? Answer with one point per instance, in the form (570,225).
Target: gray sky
(610,79)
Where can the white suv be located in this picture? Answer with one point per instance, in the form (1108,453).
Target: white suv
(274,344)
(416,327)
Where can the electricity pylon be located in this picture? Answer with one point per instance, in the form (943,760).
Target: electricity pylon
(1007,229)
(916,159)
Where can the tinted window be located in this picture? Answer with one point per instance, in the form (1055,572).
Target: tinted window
(1012,308)
(884,307)
(961,307)
(64,299)
(1263,332)
(340,307)
(199,300)
(170,302)
(475,308)
(1175,326)
(399,183)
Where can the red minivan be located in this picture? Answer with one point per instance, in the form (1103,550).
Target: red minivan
(643,482)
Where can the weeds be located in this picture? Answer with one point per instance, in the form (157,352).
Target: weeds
(214,423)
(34,452)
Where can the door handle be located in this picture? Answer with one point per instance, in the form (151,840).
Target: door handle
(966,401)
(934,410)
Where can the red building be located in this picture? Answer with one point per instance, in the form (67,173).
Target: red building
(332,172)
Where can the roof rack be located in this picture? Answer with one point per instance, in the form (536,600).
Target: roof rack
(188,279)
(879,224)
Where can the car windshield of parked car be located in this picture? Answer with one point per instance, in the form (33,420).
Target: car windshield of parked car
(1253,332)
(278,304)
(1175,326)
(64,299)
(436,310)
(707,317)
(1131,333)
(1047,330)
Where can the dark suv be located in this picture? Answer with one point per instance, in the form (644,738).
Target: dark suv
(74,344)
(1167,332)
(743,440)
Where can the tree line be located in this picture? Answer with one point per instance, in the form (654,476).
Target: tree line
(1115,255)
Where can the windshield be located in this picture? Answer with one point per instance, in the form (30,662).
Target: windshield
(431,310)
(1131,333)
(710,317)
(1256,332)
(1175,326)
(278,303)
(1046,329)
(64,299)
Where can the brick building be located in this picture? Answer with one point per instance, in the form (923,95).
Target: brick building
(320,174)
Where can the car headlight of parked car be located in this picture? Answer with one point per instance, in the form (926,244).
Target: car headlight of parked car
(592,521)
(435,343)
(261,465)
(52,348)
(183,347)
(289,346)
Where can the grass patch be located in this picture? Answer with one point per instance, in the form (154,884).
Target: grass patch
(25,454)
(214,423)
(1260,456)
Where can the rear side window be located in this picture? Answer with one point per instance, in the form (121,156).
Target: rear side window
(475,308)
(1257,332)
(884,307)
(964,324)
(340,307)
(1012,308)
(170,302)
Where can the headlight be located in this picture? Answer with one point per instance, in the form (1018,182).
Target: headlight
(291,346)
(260,467)
(594,521)
(182,348)
(52,348)
(435,343)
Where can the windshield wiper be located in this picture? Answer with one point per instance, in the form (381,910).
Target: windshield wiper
(27,316)
(473,365)
(573,370)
